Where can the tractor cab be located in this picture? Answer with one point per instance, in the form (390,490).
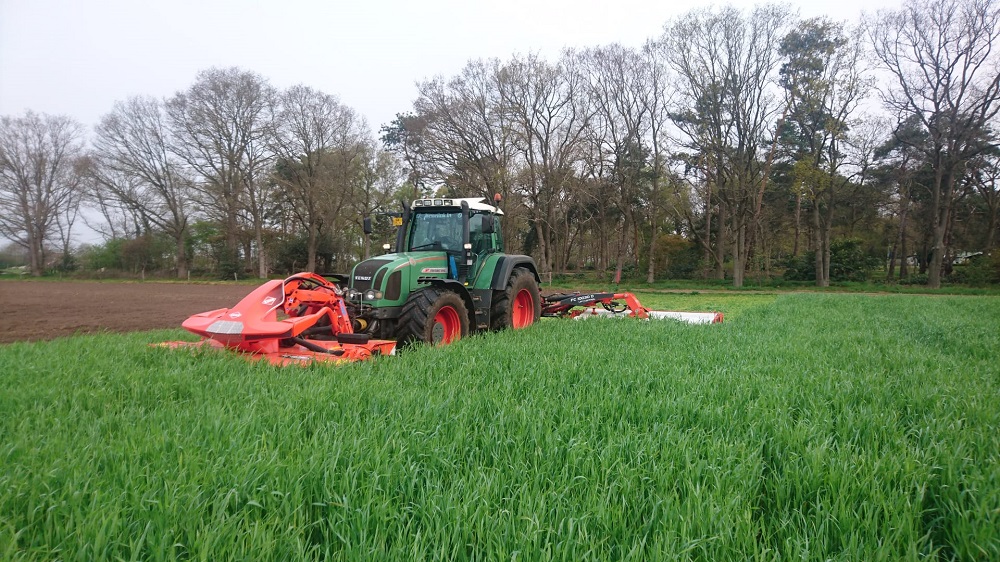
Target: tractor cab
(466,230)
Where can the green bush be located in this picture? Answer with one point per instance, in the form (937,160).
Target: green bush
(848,262)
(915,279)
(676,257)
(978,271)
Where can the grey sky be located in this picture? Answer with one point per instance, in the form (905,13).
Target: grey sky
(77,57)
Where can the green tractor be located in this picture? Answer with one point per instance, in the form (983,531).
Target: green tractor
(447,278)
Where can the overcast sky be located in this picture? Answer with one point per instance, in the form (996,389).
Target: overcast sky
(77,57)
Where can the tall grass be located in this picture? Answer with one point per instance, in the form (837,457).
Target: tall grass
(807,426)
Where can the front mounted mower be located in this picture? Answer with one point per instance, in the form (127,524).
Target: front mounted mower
(301,319)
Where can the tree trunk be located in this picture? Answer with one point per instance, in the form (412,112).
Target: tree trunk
(818,246)
(543,256)
(622,245)
(651,271)
(181,257)
(653,227)
(937,257)
(36,256)
(939,215)
(798,223)
(261,254)
(891,266)
(904,269)
(740,256)
(721,240)
(709,256)
(991,229)
(828,234)
(311,245)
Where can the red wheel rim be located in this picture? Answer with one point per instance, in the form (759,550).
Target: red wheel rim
(447,326)
(523,314)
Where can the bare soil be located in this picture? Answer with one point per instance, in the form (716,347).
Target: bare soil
(42,310)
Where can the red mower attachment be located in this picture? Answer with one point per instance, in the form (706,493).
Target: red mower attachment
(581,306)
(300,319)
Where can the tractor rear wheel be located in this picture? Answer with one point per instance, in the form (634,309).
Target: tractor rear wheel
(435,316)
(520,305)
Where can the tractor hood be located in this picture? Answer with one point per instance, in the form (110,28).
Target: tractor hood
(391,274)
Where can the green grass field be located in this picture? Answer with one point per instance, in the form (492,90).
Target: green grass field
(815,427)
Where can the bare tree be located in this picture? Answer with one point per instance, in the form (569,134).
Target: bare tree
(660,97)
(542,104)
(946,73)
(465,139)
(313,128)
(725,108)
(121,218)
(620,91)
(65,220)
(40,180)
(223,125)
(134,163)
(381,179)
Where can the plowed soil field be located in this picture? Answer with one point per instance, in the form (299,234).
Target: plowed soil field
(41,310)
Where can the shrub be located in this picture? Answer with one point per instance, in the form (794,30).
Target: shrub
(915,279)
(979,271)
(848,262)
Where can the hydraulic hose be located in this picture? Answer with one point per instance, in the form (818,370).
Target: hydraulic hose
(317,348)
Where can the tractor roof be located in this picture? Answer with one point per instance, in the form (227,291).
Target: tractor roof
(475,203)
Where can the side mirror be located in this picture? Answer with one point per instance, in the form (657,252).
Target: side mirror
(487,224)
(367,225)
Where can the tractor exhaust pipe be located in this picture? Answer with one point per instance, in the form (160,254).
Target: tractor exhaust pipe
(401,232)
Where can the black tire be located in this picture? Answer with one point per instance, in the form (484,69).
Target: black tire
(427,316)
(502,311)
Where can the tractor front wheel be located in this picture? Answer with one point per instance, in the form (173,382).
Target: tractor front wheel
(435,316)
(520,305)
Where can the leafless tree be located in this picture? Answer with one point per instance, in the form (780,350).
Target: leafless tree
(40,181)
(135,164)
(620,90)
(223,125)
(120,218)
(381,178)
(466,141)
(946,73)
(541,102)
(65,220)
(725,61)
(313,129)
(659,99)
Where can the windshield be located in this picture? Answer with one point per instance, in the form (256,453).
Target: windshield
(437,231)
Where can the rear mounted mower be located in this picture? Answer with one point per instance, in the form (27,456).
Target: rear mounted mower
(581,306)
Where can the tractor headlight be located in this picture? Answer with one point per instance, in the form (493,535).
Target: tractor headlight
(371,295)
